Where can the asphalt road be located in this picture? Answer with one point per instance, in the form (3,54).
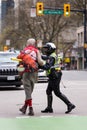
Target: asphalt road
(73,85)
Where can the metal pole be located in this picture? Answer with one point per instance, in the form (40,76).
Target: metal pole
(85,40)
(34,2)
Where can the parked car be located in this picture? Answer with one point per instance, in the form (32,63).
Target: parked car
(42,76)
(8,70)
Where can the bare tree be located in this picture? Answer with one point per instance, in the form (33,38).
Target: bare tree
(47,27)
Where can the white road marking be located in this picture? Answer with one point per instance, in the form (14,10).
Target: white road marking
(46,116)
(22,117)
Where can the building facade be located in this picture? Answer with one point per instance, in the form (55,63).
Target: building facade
(4,6)
(80,47)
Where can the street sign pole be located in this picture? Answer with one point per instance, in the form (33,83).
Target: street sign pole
(85,36)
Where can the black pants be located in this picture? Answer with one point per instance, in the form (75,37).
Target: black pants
(54,85)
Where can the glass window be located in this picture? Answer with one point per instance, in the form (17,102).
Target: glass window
(6,57)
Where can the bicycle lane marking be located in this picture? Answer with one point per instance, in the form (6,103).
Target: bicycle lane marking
(45,123)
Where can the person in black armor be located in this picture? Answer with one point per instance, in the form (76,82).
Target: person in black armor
(54,73)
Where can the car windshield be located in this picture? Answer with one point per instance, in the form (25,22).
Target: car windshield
(6,57)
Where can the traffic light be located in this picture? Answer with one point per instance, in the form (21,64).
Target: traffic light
(66,10)
(39,8)
(5,48)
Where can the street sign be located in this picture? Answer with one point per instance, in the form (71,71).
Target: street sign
(39,43)
(53,12)
(7,42)
(33,12)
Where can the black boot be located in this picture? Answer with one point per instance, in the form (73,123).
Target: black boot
(70,108)
(49,107)
(50,110)
(23,109)
(31,112)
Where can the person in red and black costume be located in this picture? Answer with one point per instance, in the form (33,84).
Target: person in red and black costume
(29,76)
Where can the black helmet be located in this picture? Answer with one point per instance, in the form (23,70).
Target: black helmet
(50,47)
